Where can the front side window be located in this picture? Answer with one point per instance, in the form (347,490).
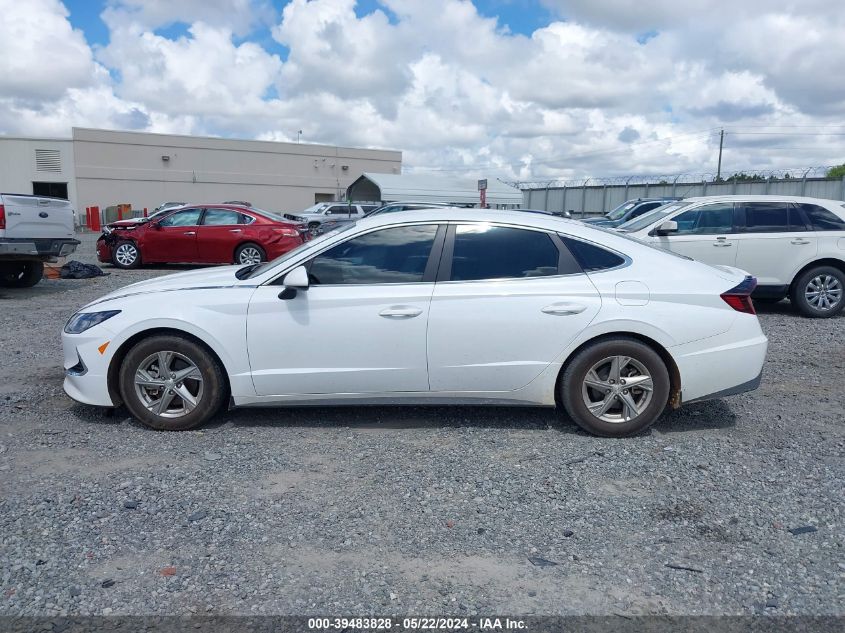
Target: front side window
(188,217)
(770,217)
(482,251)
(218,217)
(339,211)
(711,219)
(822,219)
(388,256)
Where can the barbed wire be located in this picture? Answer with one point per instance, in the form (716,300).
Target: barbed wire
(746,175)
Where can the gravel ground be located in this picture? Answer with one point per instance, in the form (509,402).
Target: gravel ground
(453,511)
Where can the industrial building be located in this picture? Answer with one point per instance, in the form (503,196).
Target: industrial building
(105,167)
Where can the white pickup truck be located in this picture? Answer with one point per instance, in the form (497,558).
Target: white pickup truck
(33,230)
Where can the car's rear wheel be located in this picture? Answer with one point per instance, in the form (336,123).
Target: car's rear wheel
(615,387)
(126,254)
(170,383)
(314,228)
(819,292)
(250,253)
(23,274)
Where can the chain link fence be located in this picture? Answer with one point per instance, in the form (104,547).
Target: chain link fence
(594,196)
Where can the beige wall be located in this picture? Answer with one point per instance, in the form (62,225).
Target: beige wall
(127,167)
(17,165)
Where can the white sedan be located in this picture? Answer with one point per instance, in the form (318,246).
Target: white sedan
(435,306)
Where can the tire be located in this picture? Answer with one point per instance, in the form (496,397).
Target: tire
(21,274)
(617,420)
(314,229)
(819,292)
(247,254)
(126,255)
(204,383)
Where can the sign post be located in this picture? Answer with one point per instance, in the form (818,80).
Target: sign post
(482,190)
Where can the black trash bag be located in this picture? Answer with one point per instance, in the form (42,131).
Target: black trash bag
(77,270)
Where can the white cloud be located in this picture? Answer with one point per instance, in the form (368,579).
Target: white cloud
(454,89)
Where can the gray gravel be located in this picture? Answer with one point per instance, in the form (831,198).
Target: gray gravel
(419,510)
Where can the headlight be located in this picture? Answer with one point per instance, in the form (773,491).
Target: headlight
(82,321)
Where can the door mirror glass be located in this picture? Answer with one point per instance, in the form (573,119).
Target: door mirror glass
(667,227)
(297,278)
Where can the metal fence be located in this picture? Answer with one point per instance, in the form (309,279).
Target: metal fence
(594,196)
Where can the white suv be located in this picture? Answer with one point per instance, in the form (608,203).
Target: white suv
(794,246)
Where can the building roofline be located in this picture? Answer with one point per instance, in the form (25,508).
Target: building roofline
(223,138)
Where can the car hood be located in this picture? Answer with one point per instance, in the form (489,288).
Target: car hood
(204,278)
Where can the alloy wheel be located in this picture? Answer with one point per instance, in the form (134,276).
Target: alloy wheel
(168,384)
(617,389)
(249,255)
(126,254)
(824,292)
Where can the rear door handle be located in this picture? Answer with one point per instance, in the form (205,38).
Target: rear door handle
(235,230)
(400,312)
(190,233)
(722,243)
(561,309)
(799,241)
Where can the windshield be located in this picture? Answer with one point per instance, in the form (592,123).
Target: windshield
(651,217)
(619,212)
(313,209)
(631,238)
(248,272)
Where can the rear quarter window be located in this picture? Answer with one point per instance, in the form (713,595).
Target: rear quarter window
(822,219)
(591,257)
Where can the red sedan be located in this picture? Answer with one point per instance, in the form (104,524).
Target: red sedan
(207,234)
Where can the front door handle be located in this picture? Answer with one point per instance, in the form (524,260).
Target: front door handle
(561,309)
(799,241)
(190,233)
(235,230)
(722,243)
(400,312)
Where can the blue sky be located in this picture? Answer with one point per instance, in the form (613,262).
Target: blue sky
(520,16)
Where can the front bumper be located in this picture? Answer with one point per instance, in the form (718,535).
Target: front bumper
(86,367)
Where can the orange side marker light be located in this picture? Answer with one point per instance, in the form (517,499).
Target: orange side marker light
(102,348)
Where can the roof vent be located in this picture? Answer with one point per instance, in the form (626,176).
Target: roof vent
(48,160)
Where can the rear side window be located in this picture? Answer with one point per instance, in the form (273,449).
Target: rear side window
(591,257)
(772,217)
(217,217)
(482,251)
(822,219)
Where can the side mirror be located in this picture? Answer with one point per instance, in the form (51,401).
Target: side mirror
(155,225)
(297,279)
(669,226)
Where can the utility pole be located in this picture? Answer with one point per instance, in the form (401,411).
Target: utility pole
(721,143)
(298,136)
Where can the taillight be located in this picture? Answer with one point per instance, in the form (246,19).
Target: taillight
(739,297)
(287,232)
(2,217)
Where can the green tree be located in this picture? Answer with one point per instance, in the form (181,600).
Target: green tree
(836,172)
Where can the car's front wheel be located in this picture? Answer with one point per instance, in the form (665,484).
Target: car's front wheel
(171,383)
(615,387)
(126,255)
(819,292)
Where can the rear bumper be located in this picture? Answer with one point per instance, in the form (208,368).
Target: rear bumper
(27,248)
(722,365)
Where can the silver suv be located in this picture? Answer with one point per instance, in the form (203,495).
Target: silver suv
(315,216)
